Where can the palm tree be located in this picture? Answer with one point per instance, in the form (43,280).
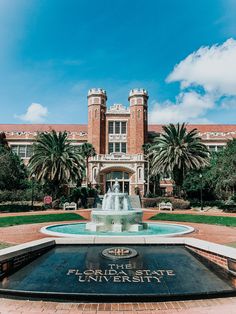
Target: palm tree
(87,150)
(55,161)
(176,151)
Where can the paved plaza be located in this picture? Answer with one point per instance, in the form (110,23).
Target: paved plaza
(24,233)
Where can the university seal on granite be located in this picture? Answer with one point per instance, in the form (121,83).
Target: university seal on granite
(119,253)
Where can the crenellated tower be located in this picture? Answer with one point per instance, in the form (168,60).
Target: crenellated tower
(138,120)
(97,119)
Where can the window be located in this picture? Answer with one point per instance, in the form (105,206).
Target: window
(123,127)
(23,151)
(29,151)
(117,147)
(110,148)
(212,148)
(139,173)
(110,127)
(126,175)
(117,127)
(120,175)
(220,148)
(123,147)
(94,173)
(14,148)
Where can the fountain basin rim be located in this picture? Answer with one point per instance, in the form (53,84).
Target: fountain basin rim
(122,237)
(116,212)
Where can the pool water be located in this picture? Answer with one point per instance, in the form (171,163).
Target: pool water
(78,229)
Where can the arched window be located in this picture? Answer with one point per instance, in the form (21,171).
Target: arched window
(96,113)
(94,173)
(140,173)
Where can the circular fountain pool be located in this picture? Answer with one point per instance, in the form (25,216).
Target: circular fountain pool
(154,229)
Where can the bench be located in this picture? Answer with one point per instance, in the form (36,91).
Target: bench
(69,206)
(167,205)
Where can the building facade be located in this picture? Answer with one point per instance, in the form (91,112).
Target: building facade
(117,134)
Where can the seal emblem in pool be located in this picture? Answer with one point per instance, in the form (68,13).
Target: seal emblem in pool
(119,253)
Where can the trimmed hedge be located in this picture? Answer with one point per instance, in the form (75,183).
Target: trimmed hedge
(228,208)
(177,203)
(15,208)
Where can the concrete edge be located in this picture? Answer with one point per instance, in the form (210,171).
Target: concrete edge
(46,242)
(25,248)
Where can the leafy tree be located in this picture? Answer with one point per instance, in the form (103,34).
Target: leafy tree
(3,141)
(196,180)
(218,179)
(87,150)
(176,152)
(55,162)
(223,171)
(12,170)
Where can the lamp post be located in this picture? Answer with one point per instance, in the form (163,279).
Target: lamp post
(200,176)
(32,195)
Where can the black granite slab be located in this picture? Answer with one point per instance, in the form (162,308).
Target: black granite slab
(81,272)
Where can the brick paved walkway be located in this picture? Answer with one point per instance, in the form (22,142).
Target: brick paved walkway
(210,306)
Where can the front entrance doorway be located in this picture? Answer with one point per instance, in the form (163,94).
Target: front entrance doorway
(121,176)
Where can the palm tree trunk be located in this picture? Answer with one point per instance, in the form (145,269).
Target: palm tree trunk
(87,170)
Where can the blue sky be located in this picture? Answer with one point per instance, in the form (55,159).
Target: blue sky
(52,52)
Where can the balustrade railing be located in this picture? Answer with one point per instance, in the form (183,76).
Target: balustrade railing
(118,156)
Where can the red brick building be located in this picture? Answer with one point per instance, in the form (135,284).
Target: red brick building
(117,134)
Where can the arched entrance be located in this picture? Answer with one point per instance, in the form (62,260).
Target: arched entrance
(122,177)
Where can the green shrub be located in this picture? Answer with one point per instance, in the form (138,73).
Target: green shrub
(20,195)
(92,192)
(176,202)
(179,203)
(229,208)
(215,203)
(13,208)
(81,194)
(149,202)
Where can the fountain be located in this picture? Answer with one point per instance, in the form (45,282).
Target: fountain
(117,214)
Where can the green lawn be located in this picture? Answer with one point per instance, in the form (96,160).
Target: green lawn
(213,220)
(33,219)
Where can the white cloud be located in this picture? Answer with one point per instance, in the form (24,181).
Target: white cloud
(34,114)
(189,106)
(213,68)
(209,69)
